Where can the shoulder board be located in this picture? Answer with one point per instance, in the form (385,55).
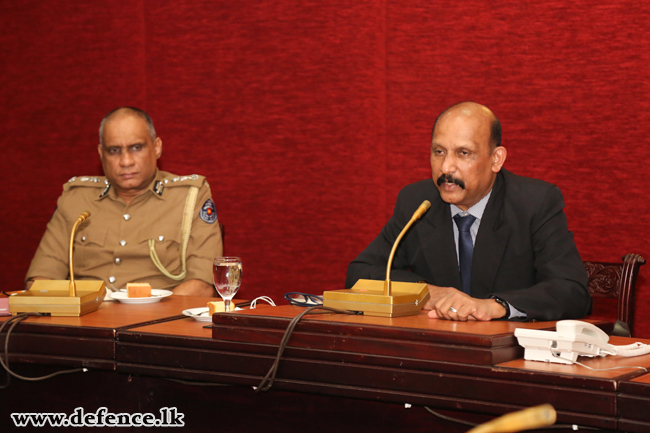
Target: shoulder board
(86,181)
(171,180)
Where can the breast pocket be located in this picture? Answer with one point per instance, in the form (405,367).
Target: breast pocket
(89,247)
(166,243)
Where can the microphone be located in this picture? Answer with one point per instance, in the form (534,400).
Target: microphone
(384,298)
(527,419)
(83,217)
(61,297)
(426,204)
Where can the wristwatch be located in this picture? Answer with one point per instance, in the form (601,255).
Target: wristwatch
(504,304)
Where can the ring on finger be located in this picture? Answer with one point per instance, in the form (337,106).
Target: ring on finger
(453,310)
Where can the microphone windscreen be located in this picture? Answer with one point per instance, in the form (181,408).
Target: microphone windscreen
(426,204)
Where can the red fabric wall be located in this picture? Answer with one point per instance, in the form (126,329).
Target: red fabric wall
(307,117)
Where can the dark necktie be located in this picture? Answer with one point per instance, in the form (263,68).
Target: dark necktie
(465,249)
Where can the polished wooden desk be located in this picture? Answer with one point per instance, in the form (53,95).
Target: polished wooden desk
(89,340)
(580,395)
(634,402)
(470,367)
(242,344)
(375,365)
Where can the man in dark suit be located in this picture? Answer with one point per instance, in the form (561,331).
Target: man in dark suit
(493,244)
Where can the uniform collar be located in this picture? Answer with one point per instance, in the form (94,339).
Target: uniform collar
(156,188)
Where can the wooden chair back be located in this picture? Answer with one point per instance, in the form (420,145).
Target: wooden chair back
(618,281)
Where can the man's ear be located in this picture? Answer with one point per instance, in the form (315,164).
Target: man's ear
(499,155)
(158,147)
(100,151)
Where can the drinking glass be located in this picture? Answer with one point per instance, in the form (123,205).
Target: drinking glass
(227,278)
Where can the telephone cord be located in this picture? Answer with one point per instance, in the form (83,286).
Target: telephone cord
(629,350)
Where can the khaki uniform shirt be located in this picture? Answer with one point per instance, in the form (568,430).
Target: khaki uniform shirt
(112,245)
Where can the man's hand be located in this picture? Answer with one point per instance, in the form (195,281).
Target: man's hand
(195,288)
(452,304)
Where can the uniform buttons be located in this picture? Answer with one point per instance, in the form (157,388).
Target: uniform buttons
(127,217)
(83,239)
(161,238)
(118,261)
(122,242)
(111,280)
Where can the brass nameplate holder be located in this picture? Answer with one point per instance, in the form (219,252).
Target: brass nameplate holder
(53,297)
(368,296)
(383,298)
(61,297)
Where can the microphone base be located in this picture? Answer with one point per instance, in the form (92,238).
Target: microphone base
(53,297)
(368,296)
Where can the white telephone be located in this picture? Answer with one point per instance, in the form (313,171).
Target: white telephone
(571,339)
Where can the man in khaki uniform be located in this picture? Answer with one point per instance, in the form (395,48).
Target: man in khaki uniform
(134,233)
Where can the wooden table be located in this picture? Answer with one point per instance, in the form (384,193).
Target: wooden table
(580,395)
(246,343)
(470,367)
(634,403)
(347,372)
(89,340)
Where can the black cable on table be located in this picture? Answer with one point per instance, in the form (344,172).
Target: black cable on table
(267,381)
(13,321)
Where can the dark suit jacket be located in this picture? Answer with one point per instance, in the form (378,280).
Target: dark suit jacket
(524,252)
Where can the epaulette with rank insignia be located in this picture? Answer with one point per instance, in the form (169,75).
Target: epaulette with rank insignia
(86,181)
(191,180)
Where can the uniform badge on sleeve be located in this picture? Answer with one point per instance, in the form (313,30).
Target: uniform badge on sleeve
(209,211)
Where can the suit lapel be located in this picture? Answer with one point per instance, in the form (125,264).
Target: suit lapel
(437,243)
(491,242)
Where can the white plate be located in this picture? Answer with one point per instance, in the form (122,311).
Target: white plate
(156,296)
(201,314)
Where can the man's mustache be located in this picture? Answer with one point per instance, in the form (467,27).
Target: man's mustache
(448,178)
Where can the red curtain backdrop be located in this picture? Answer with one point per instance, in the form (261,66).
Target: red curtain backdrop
(307,117)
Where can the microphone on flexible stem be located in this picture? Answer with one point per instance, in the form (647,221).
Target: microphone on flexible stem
(83,217)
(527,419)
(61,297)
(383,298)
(426,204)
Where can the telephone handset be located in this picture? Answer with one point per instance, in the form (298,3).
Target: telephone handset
(585,332)
(571,339)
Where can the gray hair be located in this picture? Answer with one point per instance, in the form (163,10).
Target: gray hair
(127,110)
